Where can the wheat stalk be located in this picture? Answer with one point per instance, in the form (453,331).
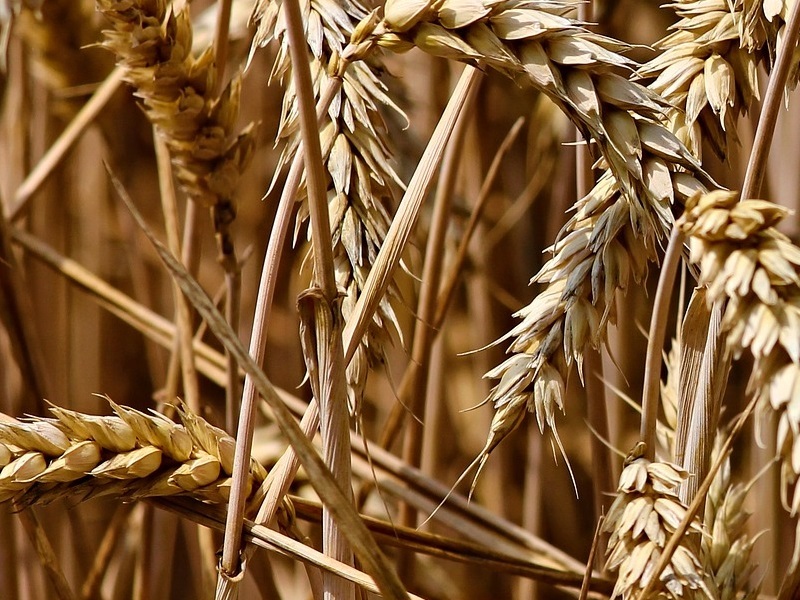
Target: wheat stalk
(130,455)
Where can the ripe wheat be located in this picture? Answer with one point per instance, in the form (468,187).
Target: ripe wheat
(617,227)
(154,44)
(357,156)
(131,455)
(705,73)
(647,141)
(644,514)
(746,263)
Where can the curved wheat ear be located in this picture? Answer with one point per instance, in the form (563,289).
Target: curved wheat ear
(642,518)
(745,262)
(154,44)
(131,455)
(356,153)
(618,226)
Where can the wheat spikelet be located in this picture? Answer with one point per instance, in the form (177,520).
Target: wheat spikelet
(705,73)
(356,153)
(154,44)
(745,262)
(643,516)
(725,551)
(131,455)
(762,30)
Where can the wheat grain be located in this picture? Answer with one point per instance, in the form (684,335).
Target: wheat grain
(536,45)
(130,455)
(705,73)
(762,30)
(724,549)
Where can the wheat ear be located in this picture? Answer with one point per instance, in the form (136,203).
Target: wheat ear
(613,235)
(618,226)
(154,45)
(745,262)
(130,455)
(763,29)
(725,551)
(642,518)
(356,152)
